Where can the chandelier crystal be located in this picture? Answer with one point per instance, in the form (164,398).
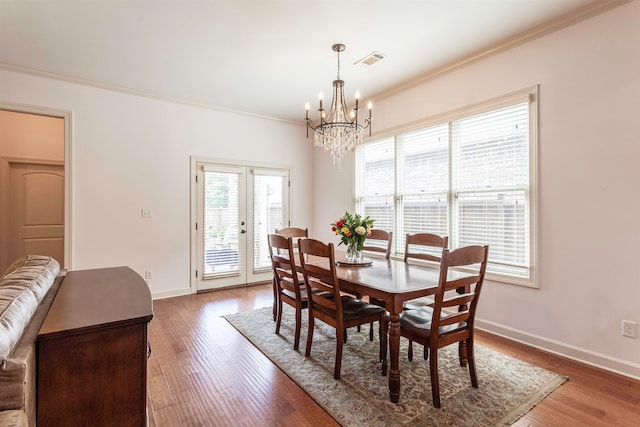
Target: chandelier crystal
(339,130)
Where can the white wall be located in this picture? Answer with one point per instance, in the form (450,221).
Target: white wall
(131,152)
(332,192)
(589,197)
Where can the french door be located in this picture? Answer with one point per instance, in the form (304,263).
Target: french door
(237,206)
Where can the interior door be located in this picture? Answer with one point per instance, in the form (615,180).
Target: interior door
(237,206)
(36,210)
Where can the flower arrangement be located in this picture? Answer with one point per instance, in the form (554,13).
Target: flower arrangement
(353,231)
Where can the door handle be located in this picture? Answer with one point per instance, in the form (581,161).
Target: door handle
(243,231)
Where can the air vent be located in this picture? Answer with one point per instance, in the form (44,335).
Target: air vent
(370,59)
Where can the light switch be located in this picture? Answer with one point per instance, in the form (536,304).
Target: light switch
(147,212)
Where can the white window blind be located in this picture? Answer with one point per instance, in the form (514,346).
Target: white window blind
(375,194)
(220,223)
(424,182)
(268,212)
(468,178)
(490,165)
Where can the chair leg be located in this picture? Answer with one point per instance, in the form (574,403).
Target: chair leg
(275,298)
(471,361)
(435,385)
(278,315)
(371,332)
(425,353)
(339,343)
(345,335)
(307,351)
(462,353)
(410,351)
(296,340)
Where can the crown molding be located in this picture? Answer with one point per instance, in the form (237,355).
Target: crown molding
(130,91)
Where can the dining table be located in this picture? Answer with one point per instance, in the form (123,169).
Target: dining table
(394,282)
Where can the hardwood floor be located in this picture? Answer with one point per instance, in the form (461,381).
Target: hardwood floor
(202,372)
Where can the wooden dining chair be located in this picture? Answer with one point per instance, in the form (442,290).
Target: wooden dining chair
(424,246)
(288,288)
(326,303)
(378,241)
(451,320)
(294,233)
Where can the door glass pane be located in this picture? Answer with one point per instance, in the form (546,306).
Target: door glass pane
(268,215)
(220,223)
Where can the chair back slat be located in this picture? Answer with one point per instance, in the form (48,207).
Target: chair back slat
(462,282)
(454,318)
(287,280)
(458,300)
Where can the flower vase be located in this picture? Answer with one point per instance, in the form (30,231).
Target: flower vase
(353,254)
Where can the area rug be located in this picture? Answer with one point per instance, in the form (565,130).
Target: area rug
(508,388)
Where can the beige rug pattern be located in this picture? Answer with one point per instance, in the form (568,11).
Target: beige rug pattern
(508,388)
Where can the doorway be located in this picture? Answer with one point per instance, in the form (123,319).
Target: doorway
(236,207)
(34,183)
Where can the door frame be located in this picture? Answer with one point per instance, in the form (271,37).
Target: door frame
(66,115)
(193,280)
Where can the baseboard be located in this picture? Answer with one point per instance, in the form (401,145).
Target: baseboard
(171,294)
(598,360)
(187,291)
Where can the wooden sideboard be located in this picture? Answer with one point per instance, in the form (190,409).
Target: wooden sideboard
(92,351)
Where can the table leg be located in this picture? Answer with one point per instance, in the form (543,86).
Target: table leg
(394,353)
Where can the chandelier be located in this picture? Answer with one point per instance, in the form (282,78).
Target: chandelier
(338,131)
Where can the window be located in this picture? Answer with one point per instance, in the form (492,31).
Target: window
(469,177)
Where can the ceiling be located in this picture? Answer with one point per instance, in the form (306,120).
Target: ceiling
(265,57)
